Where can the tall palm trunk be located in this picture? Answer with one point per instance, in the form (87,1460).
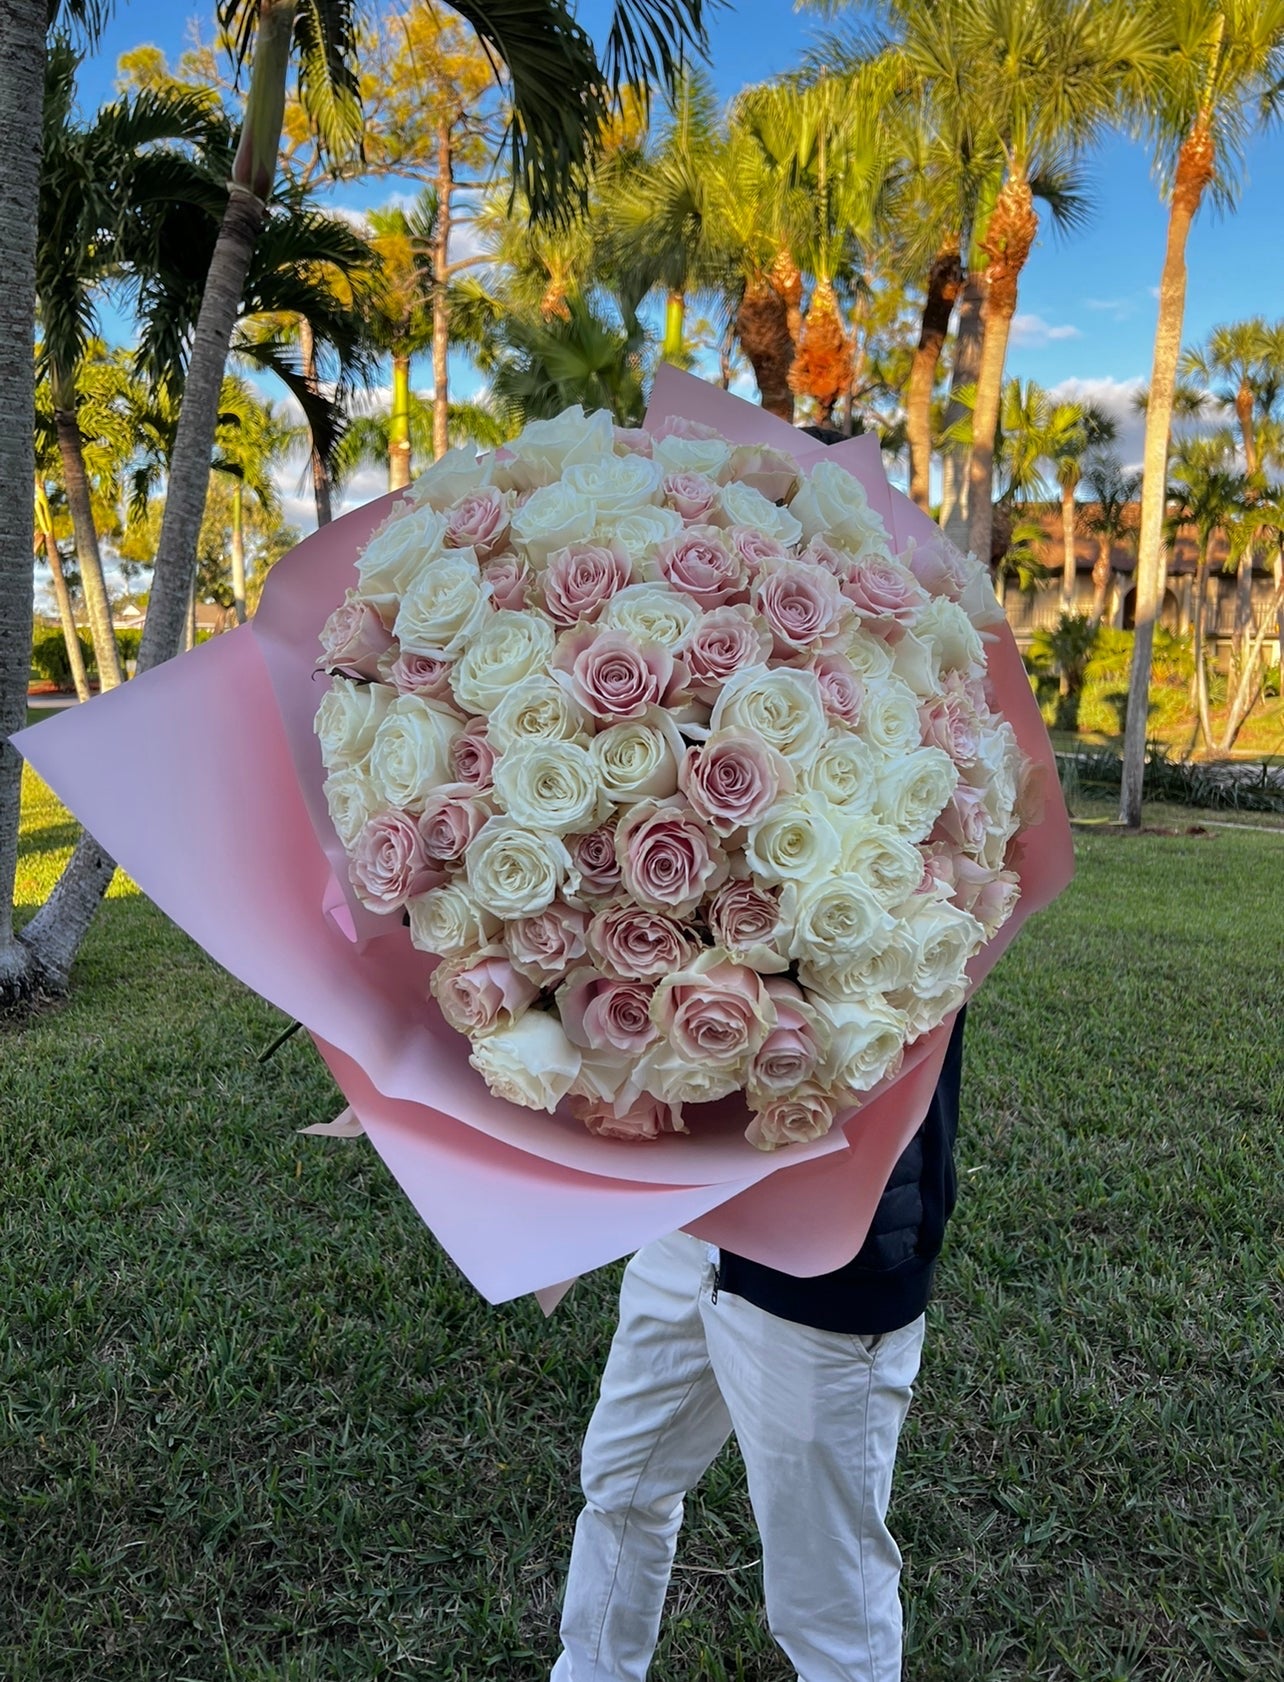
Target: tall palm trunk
(445,184)
(1067,549)
(1008,238)
(944,283)
(1250,678)
(399,426)
(238,550)
(320,472)
(1195,164)
(672,348)
(88,556)
(762,326)
(1101,580)
(1199,679)
(963,373)
(62,595)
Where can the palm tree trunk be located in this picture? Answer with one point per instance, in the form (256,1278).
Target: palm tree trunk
(440,304)
(88,556)
(967,364)
(320,473)
(672,348)
(1101,579)
(1008,239)
(62,595)
(944,283)
(399,426)
(1195,165)
(1067,549)
(1199,678)
(762,326)
(238,550)
(1250,679)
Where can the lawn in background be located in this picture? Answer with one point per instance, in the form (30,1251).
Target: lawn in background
(254,1426)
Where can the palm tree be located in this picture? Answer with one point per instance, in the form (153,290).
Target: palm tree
(1074,431)
(398,314)
(1112,490)
(1223,62)
(47,545)
(251,439)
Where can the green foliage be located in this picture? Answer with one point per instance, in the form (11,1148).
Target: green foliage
(49,655)
(255,1424)
(1202,786)
(1103,699)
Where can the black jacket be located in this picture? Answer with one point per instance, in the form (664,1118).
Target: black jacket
(889,1282)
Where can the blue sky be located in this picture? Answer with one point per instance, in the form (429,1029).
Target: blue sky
(1087,309)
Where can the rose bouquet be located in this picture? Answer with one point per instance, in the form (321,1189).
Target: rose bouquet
(687,780)
(219,748)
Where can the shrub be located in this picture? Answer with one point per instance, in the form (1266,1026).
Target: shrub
(49,655)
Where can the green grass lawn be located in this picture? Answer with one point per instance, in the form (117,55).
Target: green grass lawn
(253,1426)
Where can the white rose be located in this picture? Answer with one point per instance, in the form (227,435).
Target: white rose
(347,720)
(879,970)
(889,719)
(449,921)
(550,786)
(742,505)
(444,608)
(673,1080)
(543,450)
(616,485)
(513,872)
(640,532)
(530,1062)
(507,648)
(638,760)
(411,751)
(868,1041)
(889,865)
(916,664)
(406,542)
(832,504)
(912,792)
(780,704)
(869,655)
(954,641)
(537,708)
(942,938)
(352,800)
(794,842)
(710,456)
(844,771)
(836,915)
(978,600)
(652,613)
(550,519)
(451,476)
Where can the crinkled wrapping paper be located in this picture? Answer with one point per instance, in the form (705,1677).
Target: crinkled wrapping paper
(204,780)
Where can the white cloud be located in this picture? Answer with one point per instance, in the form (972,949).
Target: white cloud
(1032,331)
(1118,399)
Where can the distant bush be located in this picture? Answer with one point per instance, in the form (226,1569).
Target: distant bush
(49,660)
(1103,701)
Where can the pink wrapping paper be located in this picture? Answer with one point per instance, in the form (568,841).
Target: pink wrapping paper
(225,828)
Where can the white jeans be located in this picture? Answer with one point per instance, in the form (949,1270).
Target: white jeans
(816,1416)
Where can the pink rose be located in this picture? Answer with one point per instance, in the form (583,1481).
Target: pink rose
(613,675)
(693,495)
(632,441)
(883,594)
(579,579)
(731,779)
(938,566)
(388,864)
(472,759)
(990,895)
(480,990)
(745,919)
(544,947)
(451,817)
(424,675)
(595,870)
(807,1113)
(601,1012)
(641,945)
(353,638)
(802,606)
(701,565)
(509,578)
(939,870)
(714,1012)
(820,552)
(645,1118)
(770,471)
(478,521)
(963,822)
(723,642)
(668,859)
(842,689)
(678,426)
(755,549)
(947,722)
(795,1046)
